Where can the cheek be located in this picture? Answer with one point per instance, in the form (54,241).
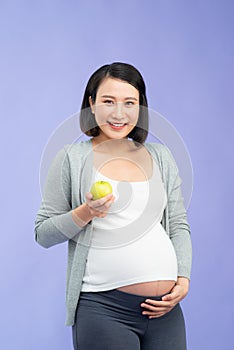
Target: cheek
(101,122)
(101,112)
(133,115)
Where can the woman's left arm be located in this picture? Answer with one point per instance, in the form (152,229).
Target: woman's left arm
(179,229)
(179,232)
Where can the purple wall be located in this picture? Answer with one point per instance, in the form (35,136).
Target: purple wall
(184,50)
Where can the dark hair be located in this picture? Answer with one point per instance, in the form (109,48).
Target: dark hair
(125,72)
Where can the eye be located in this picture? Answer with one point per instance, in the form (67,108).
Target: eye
(129,103)
(108,102)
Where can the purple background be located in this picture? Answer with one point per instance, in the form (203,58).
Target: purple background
(184,50)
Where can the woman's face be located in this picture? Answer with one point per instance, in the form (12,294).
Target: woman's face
(116,108)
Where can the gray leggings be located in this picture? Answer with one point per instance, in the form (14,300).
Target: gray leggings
(113,320)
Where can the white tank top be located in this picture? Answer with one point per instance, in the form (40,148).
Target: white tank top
(130,245)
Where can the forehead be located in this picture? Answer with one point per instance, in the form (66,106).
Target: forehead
(117,88)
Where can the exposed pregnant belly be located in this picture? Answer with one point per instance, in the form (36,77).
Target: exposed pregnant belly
(149,288)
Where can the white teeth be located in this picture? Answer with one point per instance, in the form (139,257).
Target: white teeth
(117,124)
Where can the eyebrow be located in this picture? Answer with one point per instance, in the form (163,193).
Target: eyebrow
(127,98)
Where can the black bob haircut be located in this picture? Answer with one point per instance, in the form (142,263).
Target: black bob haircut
(127,73)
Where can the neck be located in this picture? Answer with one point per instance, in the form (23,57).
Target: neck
(113,146)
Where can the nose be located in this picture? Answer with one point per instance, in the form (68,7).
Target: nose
(119,110)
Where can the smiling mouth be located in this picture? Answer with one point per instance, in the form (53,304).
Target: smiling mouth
(117,125)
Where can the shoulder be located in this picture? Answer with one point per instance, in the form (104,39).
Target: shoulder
(77,149)
(70,153)
(163,156)
(160,150)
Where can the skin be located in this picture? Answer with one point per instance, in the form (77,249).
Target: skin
(118,102)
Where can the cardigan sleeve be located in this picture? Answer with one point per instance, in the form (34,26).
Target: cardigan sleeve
(54,223)
(178,226)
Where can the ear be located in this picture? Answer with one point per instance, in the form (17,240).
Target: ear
(91,104)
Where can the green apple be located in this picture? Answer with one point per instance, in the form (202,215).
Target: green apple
(100,189)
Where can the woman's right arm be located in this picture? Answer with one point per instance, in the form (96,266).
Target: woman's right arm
(54,222)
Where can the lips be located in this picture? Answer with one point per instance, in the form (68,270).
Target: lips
(117,126)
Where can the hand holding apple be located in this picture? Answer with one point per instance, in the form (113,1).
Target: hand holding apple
(99,199)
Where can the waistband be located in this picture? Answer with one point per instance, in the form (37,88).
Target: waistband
(118,297)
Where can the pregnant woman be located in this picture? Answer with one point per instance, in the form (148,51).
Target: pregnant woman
(129,253)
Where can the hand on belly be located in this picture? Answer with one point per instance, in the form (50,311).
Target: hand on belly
(149,288)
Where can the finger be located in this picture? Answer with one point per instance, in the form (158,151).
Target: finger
(112,199)
(149,307)
(158,315)
(105,199)
(89,199)
(155,314)
(175,294)
(88,196)
(157,303)
(103,209)
(170,297)
(102,201)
